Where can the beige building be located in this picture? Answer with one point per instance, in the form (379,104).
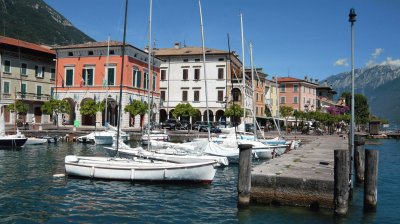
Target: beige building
(27,73)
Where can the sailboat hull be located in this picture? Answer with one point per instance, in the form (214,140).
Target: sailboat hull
(12,142)
(138,170)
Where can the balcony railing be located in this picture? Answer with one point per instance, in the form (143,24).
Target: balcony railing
(33,96)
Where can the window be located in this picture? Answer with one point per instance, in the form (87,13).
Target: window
(146,80)
(111,52)
(185,74)
(111,76)
(23,69)
(163,75)
(70,53)
(184,95)
(90,52)
(37,71)
(283,87)
(52,73)
(69,76)
(23,90)
(220,73)
(7,66)
(87,76)
(295,100)
(256,96)
(38,92)
(282,100)
(196,96)
(137,78)
(196,74)
(197,60)
(163,95)
(295,88)
(6,87)
(154,82)
(185,60)
(220,96)
(304,89)
(236,95)
(221,59)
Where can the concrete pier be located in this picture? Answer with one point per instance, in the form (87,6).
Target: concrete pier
(302,177)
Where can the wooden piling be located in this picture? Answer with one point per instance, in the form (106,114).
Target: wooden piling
(359,157)
(371,179)
(244,180)
(341,181)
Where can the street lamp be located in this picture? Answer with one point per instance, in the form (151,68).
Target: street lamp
(352,19)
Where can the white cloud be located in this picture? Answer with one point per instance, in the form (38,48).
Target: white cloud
(341,62)
(370,63)
(391,62)
(378,51)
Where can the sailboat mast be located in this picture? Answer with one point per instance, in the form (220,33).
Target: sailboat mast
(149,76)
(252,89)
(204,70)
(122,75)
(243,72)
(106,79)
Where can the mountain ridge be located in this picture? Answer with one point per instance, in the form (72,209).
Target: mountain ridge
(37,22)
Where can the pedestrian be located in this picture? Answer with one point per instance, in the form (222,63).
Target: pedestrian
(33,122)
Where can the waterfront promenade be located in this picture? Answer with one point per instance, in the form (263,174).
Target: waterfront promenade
(302,177)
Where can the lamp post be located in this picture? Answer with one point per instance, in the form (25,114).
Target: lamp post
(352,19)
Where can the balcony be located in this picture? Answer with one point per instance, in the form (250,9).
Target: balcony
(33,97)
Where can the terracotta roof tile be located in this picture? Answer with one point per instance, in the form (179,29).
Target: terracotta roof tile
(91,44)
(186,51)
(24,44)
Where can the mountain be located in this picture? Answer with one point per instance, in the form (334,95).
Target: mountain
(35,21)
(379,83)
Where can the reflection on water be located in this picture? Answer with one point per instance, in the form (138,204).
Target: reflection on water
(30,193)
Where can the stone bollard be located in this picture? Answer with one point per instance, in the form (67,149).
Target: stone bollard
(359,157)
(244,180)
(341,182)
(371,179)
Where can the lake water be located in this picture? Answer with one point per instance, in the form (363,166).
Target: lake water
(30,194)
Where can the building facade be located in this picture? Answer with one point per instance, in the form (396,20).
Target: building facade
(325,95)
(299,94)
(27,73)
(183,80)
(94,70)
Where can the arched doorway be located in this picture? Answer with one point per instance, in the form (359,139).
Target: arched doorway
(236,95)
(163,115)
(210,116)
(110,112)
(87,119)
(69,118)
(220,116)
(170,113)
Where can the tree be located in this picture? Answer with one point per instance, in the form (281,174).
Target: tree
(184,111)
(136,108)
(56,107)
(20,108)
(361,107)
(286,112)
(235,112)
(90,107)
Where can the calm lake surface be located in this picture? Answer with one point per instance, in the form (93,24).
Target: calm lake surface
(30,194)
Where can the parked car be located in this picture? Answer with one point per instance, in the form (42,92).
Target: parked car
(249,127)
(153,125)
(196,125)
(171,124)
(186,125)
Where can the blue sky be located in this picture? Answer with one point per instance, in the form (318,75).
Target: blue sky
(290,37)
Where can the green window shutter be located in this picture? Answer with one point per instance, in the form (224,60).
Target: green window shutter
(69,77)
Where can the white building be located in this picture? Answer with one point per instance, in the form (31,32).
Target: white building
(183,80)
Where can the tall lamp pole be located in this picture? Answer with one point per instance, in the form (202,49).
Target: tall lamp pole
(352,19)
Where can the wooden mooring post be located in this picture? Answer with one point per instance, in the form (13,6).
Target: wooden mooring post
(371,179)
(359,157)
(244,180)
(341,181)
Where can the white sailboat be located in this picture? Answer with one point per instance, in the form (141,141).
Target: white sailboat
(8,141)
(141,169)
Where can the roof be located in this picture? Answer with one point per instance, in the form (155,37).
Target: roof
(186,51)
(112,43)
(24,44)
(291,79)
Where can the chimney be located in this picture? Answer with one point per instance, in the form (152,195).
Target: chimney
(306,78)
(146,49)
(311,79)
(177,45)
